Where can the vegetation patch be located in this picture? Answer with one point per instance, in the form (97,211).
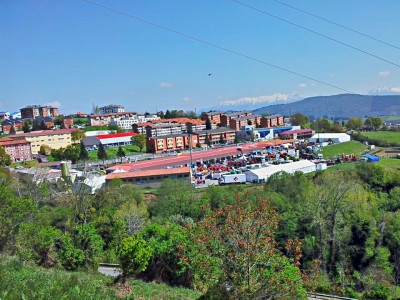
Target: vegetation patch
(347,148)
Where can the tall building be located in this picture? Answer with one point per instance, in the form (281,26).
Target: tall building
(33,111)
(112,109)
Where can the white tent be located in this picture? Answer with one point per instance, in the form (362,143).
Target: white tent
(336,138)
(258,175)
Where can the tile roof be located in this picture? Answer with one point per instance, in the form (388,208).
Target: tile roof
(45,132)
(158,172)
(115,135)
(8,141)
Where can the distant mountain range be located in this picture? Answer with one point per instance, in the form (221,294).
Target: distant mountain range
(338,106)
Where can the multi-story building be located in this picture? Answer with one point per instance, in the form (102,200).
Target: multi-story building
(226,118)
(214,135)
(104,120)
(55,139)
(111,109)
(213,116)
(7,124)
(127,122)
(19,150)
(165,143)
(238,123)
(272,121)
(170,126)
(46,120)
(33,111)
(4,115)
(68,122)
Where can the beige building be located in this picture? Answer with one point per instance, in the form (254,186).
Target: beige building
(55,139)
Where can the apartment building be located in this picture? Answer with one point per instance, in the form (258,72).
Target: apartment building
(105,119)
(272,121)
(170,126)
(68,122)
(19,150)
(55,139)
(238,123)
(226,118)
(33,111)
(214,135)
(7,124)
(213,116)
(111,109)
(164,143)
(127,122)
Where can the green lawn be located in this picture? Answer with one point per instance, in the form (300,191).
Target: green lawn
(95,128)
(387,136)
(347,148)
(112,152)
(390,163)
(21,281)
(80,121)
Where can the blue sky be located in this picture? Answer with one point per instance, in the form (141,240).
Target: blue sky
(72,54)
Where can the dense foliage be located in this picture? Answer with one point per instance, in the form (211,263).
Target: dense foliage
(333,232)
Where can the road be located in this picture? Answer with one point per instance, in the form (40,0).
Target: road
(197,156)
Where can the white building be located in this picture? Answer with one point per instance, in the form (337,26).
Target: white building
(336,138)
(112,108)
(127,122)
(258,175)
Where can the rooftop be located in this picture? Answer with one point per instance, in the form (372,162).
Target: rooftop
(297,131)
(158,172)
(115,135)
(44,132)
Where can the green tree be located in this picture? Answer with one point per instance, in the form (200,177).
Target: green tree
(233,248)
(139,140)
(222,141)
(45,150)
(121,153)
(167,115)
(198,145)
(299,119)
(58,154)
(208,124)
(354,124)
(43,125)
(5,159)
(12,130)
(207,140)
(83,154)
(115,128)
(101,153)
(38,243)
(26,127)
(236,139)
(72,153)
(77,136)
(134,254)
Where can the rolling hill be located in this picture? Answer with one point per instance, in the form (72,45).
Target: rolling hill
(338,106)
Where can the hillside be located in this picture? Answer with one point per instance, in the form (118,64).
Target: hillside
(339,106)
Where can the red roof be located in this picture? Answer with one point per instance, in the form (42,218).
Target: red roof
(8,142)
(115,135)
(44,132)
(158,172)
(298,131)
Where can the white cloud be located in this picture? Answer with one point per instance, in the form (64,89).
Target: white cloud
(54,104)
(166,85)
(186,99)
(302,85)
(385,91)
(277,97)
(383,73)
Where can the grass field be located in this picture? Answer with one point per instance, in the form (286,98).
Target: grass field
(112,152)
(387,136)
(20,281)
(347,148)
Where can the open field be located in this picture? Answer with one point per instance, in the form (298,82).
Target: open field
(347,148)
(387,136)
(112,152)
